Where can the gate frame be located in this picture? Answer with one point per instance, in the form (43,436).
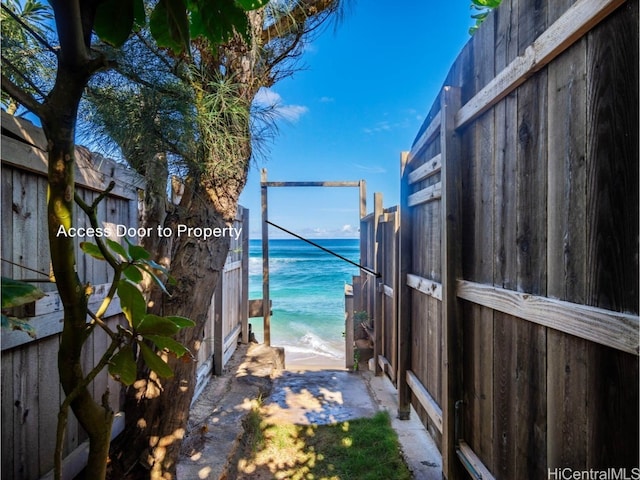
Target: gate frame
(264,185)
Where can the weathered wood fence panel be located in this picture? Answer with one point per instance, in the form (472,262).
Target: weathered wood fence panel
(31,392)
(518,311)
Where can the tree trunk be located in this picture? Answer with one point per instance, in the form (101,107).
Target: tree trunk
(59,127)
(157,409)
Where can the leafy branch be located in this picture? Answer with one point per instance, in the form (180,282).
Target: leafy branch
(483,8)
(142,332)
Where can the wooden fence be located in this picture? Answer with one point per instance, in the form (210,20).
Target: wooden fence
(517,315)
(229,311)
(30,392)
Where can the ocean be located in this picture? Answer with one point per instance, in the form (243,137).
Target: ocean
(307,294)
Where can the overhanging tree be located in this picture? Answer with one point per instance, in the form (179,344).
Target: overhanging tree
(77,61)
(194,111)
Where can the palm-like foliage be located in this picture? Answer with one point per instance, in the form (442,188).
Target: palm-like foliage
(27,57)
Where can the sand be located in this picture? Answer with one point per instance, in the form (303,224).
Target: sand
(300,361)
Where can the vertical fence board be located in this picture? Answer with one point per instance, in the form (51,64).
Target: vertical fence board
(405,294)
(49,392)
(531,185)
(482,161)
(25,426)
(245,275)
(25,218)
(567,394)
(531,398)
(612,161)
(451,271)
(505,153)
(8,414)
(612,236)
(478,380)
(504,394)
(567,215)
(6,228)
(567,397)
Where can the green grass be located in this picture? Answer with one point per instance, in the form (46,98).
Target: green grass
(363,449)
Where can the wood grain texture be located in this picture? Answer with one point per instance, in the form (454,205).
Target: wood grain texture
(534,55)
(612,232)
(617,330)
(7,416)
(426,286)
(49,392)
(430,167)
(567,397)
(478,374)
(426,400)
(505,417)
(531,185)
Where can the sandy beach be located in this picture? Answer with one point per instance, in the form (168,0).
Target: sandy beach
(304,361)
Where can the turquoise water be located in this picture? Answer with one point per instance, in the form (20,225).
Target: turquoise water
(307,291)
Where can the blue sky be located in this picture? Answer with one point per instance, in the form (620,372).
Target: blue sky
(359,101)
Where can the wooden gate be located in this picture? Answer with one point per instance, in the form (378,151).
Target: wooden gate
(518,314)
(386,307)
(429,329)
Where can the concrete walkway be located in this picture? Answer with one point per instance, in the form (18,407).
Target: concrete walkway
(296,395)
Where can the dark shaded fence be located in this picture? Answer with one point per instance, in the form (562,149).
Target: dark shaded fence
(517,333)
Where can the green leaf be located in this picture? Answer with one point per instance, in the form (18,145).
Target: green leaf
(91,249)
(217,20)
(132,302)
(136,252)
(155,325)
(251,4)
(168,343)
(169,25)
(14,323)
(123,366)
(133,274)
(154,362)
(182,322)
(16,293)
(117,248)
(114,21)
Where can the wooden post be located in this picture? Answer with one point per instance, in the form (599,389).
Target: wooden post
(348,327)
(244,302)
(451,270)
(218,326)
(266,310)
(378,292)
(363,198)
(395,284)
(404,292)
(363,232)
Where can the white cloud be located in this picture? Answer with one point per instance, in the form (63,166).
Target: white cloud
(370,168)
(291,113)
(327,99)
(269,99)
(383,126)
